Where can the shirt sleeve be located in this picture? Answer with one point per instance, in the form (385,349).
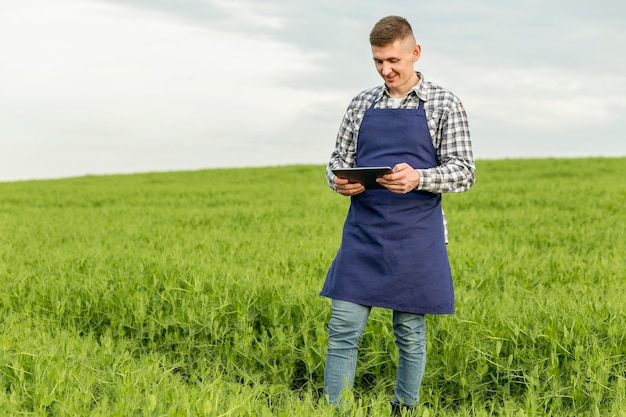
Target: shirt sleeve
(344,154)
(456,171)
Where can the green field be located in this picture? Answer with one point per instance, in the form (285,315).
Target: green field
(196,294)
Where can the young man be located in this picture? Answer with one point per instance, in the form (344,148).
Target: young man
(393,250)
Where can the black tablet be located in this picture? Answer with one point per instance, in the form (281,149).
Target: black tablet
(364,175)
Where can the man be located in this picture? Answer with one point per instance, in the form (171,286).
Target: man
(393,250)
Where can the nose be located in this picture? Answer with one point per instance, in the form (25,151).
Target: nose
(386,68)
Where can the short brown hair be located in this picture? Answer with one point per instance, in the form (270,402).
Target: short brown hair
(390,29)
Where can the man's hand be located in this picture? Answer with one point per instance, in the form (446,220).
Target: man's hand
(344,187)
(404,179)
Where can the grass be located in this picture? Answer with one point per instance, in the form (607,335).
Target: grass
(196,293)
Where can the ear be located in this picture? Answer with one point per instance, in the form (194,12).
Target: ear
(417,51)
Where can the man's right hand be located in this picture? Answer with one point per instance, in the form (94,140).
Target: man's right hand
(344,187)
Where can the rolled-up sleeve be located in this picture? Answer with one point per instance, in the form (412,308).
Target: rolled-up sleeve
(456,171)
(344,153)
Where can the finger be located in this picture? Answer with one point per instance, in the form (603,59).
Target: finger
(350,188)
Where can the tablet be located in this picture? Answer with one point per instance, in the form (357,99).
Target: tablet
(364,175)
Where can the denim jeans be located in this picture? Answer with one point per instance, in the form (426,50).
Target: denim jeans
(346,326)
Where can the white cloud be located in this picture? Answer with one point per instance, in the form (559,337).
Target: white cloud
(545,97)
(84,72)
(249,12)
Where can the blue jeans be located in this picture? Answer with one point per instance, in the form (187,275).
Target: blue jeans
(346,326)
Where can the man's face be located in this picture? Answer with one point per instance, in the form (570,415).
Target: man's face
(394,62)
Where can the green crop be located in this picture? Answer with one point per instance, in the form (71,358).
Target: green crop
(196,293)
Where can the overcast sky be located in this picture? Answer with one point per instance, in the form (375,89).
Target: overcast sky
(122,86)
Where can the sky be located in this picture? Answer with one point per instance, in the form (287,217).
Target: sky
(93,87)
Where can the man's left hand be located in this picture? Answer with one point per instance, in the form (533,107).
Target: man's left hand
(404,179)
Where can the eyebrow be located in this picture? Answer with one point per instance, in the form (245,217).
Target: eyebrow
(393,58)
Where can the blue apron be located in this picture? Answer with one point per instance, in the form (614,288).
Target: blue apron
(393,251)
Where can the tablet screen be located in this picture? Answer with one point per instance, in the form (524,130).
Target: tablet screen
(364,175)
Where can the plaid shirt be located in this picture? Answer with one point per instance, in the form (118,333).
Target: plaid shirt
(447,122)
(449,129)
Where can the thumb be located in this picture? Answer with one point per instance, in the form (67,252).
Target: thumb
(401,166)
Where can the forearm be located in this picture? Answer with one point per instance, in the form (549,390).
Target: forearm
(454,176)
(344,154)
(456,171)
(330,177)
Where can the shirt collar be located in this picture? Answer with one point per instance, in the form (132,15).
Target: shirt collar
(420,89)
